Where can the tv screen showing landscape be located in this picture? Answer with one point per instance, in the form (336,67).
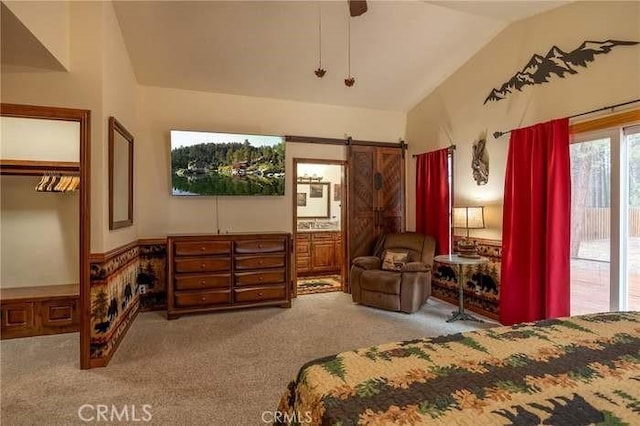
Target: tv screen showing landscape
(205,163)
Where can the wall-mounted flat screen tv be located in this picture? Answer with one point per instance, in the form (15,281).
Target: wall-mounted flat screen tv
(206,163)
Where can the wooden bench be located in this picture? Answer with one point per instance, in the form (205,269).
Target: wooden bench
(36,311)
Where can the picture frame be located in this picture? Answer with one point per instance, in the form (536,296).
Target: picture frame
(316,190)
(301,199)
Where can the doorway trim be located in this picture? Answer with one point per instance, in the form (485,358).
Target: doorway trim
(83,117)
(344,225)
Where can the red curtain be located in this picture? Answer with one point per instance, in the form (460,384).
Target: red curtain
(536,224)
(432,197)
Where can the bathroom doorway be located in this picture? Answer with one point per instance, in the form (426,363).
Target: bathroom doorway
(319,228)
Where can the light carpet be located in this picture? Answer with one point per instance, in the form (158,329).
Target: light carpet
(215,369)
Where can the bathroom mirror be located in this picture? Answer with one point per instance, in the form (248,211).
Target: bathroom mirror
(120,175)
(313,200)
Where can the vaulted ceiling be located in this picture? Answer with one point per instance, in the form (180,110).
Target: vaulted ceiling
(400,50)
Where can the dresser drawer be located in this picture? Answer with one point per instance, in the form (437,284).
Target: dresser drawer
(17,319)
(261,246)
(301,237)
(260,277)
(203,298)
(259,294)
(202,264)
(194,282)
(259,262)
(59,313)
(195,248)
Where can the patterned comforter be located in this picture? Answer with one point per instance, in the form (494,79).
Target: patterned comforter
(568,371)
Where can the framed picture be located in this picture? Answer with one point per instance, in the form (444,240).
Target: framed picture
(337,192)
(302,199)
(316,190)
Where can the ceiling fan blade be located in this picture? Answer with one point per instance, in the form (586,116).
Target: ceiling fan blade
(357,7)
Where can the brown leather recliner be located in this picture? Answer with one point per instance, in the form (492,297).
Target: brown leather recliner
(405,290)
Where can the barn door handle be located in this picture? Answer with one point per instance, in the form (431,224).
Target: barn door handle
(377,181)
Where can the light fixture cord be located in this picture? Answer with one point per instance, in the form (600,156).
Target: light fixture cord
(320,34)
(349,44)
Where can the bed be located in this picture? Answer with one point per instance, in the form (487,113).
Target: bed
(567,371)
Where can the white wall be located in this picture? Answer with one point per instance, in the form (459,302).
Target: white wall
(160,110)
(48,21)
(454,112)
(118,100)
(38,235)
(100,79)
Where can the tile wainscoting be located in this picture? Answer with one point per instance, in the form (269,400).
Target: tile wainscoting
(481,282)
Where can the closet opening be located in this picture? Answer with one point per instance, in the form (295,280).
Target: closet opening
(44,185)
(319,226)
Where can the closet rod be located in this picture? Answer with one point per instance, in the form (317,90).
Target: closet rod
(450,148)
(496,135)
(37,168)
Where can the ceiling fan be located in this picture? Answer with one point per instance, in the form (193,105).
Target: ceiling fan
(357,7)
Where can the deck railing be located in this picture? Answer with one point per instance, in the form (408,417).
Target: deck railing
(596,225)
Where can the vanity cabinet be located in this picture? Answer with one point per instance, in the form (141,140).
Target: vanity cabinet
(319,253)
(217,272)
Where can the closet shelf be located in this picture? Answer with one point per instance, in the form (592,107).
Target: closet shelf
(37,168)
(40,292)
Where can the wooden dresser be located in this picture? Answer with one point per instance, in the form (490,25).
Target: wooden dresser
(319,253)
(227,271)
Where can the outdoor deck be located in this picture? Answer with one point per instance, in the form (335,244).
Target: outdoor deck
(590,278)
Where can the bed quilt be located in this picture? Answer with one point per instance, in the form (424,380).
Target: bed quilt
(568,371)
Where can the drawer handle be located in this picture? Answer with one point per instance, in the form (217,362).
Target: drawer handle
(204,299)
(259,245)
(203,282)
(260,278)
(203,248)
(202,265)
(259,262)
(260,294)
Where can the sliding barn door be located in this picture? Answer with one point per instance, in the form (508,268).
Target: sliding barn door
(390,165)
(376,196)
(362,223)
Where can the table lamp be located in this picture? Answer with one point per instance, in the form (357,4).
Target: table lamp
(468,218)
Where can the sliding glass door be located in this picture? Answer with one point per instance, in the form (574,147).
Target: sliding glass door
(605,221)
(631,150)
(591,224)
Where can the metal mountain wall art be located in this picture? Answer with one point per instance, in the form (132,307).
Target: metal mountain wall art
(556,62)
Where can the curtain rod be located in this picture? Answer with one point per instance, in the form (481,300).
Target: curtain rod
(450,148)
(496,135)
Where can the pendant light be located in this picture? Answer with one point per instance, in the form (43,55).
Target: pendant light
(320,72)
(349,81)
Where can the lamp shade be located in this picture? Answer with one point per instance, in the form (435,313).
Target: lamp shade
(468,217)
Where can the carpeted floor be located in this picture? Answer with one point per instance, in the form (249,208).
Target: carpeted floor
(315,285)
(216,369)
